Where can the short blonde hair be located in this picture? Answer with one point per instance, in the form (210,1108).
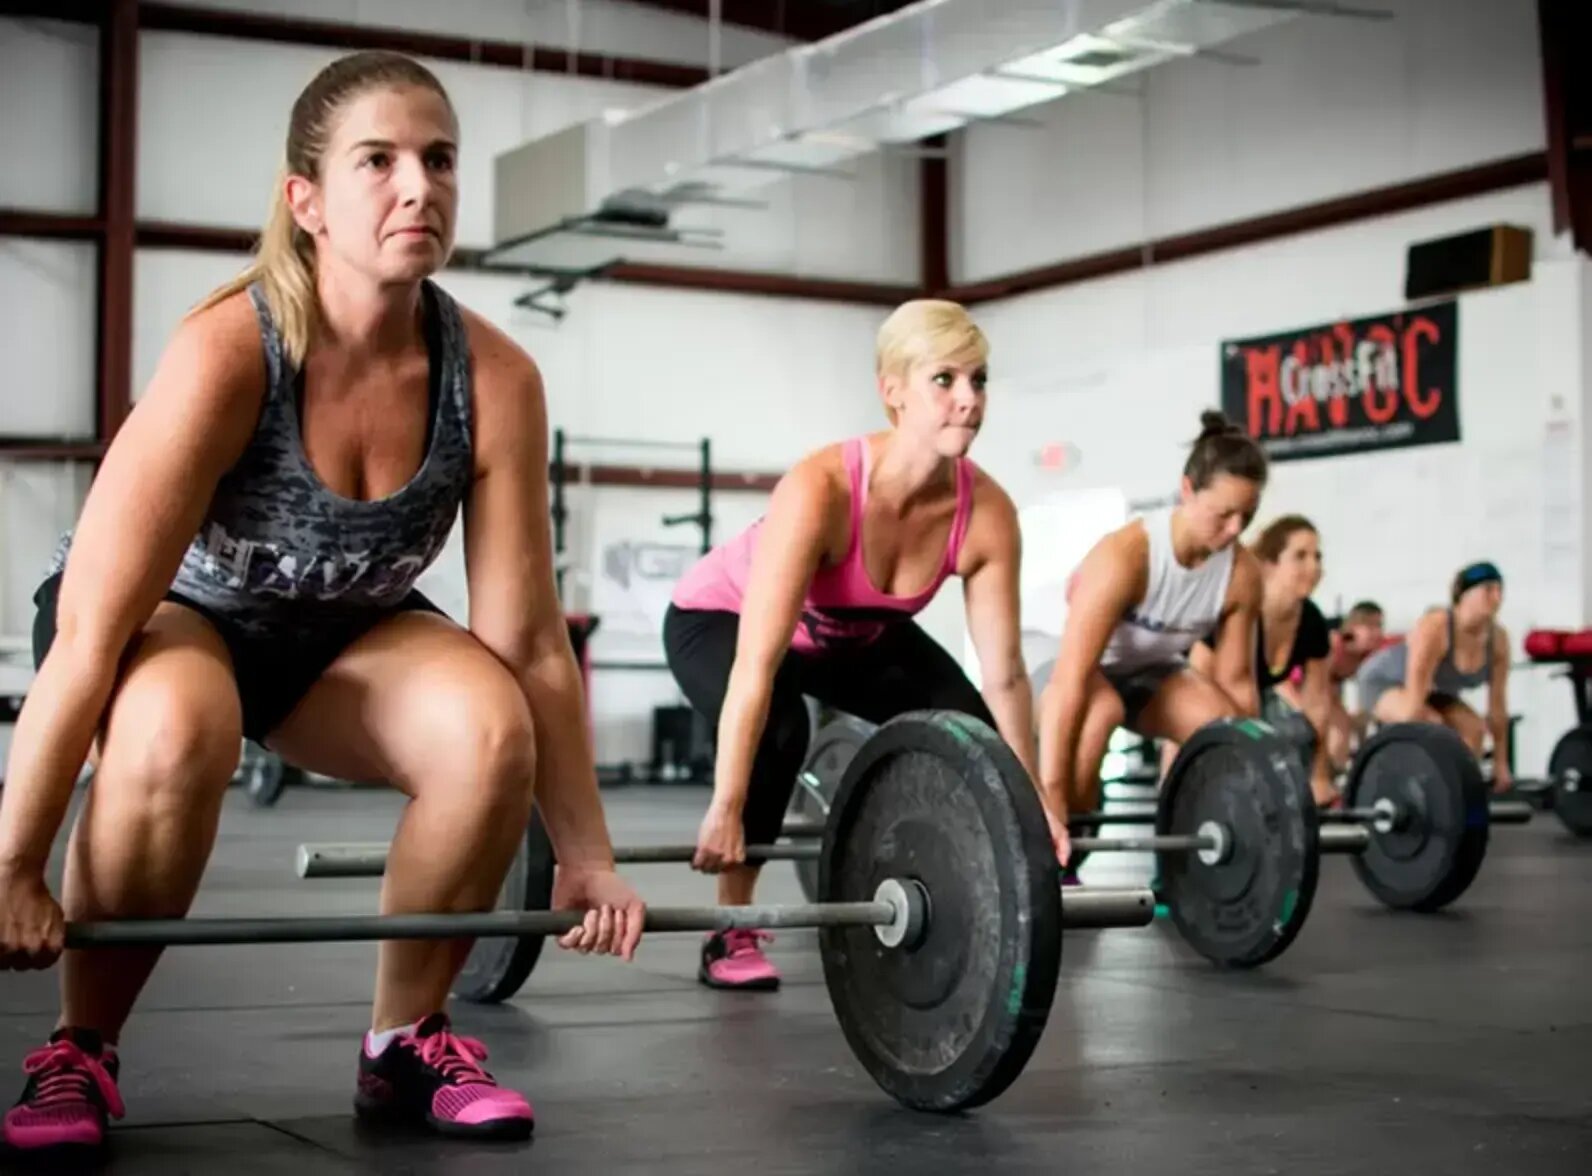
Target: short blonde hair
(927,330)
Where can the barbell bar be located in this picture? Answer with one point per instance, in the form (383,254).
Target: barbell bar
(1391,815)
(1500,812)
(369,860)
(1082,907)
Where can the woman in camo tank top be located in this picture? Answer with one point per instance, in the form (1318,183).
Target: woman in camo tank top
(245,565)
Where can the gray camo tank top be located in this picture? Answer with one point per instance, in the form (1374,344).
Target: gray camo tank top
(281,555)
(1386,668)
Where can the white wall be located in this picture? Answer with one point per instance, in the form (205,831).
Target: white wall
(47,324)
(215,162)
(50,69)
(1120,368)
(47,291)
(47,307)
(1334,106)
(605,27)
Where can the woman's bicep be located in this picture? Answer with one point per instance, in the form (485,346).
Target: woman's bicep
(1106,586)
(991,598)
(514,609)
(1426,645)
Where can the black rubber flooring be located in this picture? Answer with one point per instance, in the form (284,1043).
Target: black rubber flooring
(1380,1043)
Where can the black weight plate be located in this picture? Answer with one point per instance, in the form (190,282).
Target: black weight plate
(1570,768)
(264,775)
(1426,770)
(496,968)
(828,756)
(1247,909)
(936,797)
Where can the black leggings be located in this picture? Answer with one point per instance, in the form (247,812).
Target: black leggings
(903,670)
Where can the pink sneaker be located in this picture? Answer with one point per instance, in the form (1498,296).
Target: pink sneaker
(735,959)
(433,1078)
(70,1092)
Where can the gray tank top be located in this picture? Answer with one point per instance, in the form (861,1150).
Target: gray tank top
(1388,667)
(278,553)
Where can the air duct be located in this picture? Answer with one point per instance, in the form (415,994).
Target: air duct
(571,200)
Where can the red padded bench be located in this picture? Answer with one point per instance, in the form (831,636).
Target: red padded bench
(1571,648)
(1559,645)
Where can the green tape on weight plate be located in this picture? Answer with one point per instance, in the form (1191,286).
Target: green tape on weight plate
(1256,728)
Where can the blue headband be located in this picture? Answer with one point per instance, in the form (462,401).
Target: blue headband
(1481,572)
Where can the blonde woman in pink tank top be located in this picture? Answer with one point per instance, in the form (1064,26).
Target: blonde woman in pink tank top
(818,597)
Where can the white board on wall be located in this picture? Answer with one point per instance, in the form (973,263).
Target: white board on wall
(1058,530)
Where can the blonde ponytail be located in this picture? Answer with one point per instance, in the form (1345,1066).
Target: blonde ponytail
(284,265)
(284,260)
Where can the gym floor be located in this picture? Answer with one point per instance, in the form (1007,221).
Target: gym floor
(1380,1042)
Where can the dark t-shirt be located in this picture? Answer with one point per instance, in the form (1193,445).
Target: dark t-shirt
(1311,643)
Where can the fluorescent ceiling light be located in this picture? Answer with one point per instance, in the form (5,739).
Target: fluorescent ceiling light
(1084,61)
(987,96)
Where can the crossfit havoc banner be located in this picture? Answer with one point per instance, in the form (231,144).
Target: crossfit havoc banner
(1348,387)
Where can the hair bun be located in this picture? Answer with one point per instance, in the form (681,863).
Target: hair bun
(1216,424)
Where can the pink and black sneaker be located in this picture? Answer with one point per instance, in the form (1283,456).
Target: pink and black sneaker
(71,1091)
(735,959)
(433,1078)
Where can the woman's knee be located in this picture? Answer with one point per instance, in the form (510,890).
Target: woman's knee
(1104,715)
(1203,707)
(165,751)
(486,740)
(1185,703)
(1392,706)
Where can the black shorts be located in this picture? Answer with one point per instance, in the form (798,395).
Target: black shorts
(1138,686)
(903,670)
(272,675)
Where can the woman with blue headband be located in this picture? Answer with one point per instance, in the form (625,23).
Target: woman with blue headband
(1450,650)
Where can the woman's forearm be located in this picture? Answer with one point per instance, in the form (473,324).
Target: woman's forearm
(1061,719)
(566,786)
(49,745)
(1012,706)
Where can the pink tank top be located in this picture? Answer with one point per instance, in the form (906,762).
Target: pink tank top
(842,608)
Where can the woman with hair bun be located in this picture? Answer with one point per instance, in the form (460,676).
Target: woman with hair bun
(1137,604)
